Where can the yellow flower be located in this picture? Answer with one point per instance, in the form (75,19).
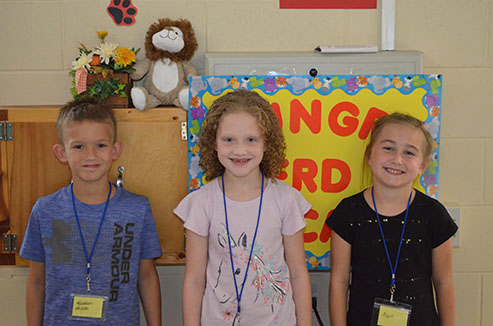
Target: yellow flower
(124,57)
(102,35)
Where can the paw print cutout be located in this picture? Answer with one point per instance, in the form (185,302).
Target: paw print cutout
(123,12)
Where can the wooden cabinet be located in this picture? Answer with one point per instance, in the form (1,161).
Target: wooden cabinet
(154,159)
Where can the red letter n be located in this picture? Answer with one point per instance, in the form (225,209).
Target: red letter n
(313,120)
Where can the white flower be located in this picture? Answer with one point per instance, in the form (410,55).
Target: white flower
(83,61)
(106,51)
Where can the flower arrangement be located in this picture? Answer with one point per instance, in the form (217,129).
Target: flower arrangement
(105,60)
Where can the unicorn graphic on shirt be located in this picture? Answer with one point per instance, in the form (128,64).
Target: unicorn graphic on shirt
(270,281)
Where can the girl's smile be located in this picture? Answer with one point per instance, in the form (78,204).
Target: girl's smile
(393,171)
(238,161)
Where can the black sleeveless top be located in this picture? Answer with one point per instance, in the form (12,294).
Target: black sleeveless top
(428,226)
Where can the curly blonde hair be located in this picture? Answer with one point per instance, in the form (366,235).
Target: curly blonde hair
(252,103)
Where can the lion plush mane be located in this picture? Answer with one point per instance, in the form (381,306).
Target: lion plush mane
(153,53)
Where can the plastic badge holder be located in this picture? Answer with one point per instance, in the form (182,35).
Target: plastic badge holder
(390,313)
(88,307)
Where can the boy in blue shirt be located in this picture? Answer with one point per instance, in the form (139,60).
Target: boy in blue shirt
(91,244)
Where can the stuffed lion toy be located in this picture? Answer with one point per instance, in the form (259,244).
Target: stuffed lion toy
(169,45)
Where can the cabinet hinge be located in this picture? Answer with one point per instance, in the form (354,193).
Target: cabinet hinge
(184,133)
(9,242)
(6,132)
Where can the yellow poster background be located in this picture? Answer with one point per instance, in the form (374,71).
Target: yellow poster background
(326,135)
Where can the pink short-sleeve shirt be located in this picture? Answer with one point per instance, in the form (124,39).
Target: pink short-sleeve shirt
(267,295)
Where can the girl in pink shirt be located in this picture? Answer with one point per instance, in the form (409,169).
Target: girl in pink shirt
(245,254)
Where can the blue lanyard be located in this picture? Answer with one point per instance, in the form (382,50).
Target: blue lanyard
(89,258)
(238,295)
(393,269)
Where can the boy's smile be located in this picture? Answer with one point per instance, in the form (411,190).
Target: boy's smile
(89,150)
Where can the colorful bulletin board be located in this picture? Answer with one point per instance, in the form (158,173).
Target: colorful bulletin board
(328,4)
(326,121)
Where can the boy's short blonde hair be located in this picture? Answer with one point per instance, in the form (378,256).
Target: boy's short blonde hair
(85,109)
(251,103)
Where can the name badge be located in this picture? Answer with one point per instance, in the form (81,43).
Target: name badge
(390,313)
(88,307)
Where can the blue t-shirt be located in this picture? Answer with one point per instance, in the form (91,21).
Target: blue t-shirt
(128,234)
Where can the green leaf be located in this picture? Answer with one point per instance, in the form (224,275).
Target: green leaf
(93,91)
(103,89)
(127,70)
(73,91)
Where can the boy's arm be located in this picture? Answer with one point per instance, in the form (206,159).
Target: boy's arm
(195,274)
(150,291)
(443,282)
(35,293)
(300,281)
(340,261)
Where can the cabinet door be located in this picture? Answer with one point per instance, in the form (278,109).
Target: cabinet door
(6,258)
(154,159)
(155,165)
(32,171)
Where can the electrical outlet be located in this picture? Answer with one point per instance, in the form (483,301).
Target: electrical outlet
(454,212)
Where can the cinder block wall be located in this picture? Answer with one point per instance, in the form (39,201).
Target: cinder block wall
(39,41)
